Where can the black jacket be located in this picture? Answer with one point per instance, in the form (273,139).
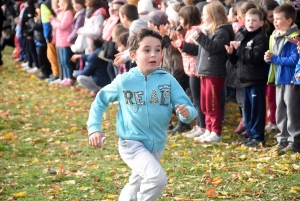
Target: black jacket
(28,14)
(212,55)
(249,58)
(231,79)
(37,29)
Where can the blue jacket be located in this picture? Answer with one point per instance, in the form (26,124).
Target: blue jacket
(96,67)
(282,69)
(144,106)
(297,71)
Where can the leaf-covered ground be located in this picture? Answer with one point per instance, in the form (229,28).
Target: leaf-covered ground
(44,152)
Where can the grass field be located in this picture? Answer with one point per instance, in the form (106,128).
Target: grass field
(44,153)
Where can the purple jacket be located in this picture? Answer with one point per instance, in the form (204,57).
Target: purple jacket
(78,21)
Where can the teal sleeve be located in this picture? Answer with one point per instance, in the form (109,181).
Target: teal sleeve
(106,95)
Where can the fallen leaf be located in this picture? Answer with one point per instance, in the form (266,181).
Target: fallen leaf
(211,193)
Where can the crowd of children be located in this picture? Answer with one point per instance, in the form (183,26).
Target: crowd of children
(210,48)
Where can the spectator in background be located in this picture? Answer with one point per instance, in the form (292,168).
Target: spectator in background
(94,76)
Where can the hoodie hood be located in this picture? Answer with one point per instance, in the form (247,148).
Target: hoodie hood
(138,72)
(278,33)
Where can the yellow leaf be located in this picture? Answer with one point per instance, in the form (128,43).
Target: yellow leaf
(171,181)
(74,129)
(173,145)
(21,194)
(108,179)
(242,148)
(35,160)
(111,196)
(295,188)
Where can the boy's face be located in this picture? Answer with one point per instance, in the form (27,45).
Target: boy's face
(123,20)
(252,23)
(148,55)
(281,23)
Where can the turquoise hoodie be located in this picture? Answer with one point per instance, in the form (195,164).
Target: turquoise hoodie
(145,106)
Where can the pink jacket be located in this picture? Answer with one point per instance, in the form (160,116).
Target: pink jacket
(189,61)
(62,25)
(110,24)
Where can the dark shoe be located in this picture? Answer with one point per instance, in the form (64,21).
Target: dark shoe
(286,149)
(180,128)
(170,126)
(42,77)
(253,143)
(246,141)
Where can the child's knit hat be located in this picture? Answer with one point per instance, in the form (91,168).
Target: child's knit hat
(172,14)
(145,6)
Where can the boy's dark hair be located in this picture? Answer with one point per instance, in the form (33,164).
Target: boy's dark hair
(255,11)
(130,11)
(122,39)
(134,41)
(97,43)
(190,15)
(288,10)
(245,6)
(81,2)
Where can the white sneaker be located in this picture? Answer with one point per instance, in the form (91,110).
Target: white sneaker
(213,137)
(33,70)
(190,132)
(195,133)
(26,68)
(57,81)
(24,64)
(270,127)
(199,139)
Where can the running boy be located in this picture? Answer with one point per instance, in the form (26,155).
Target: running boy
(252,73)
(143,117)
(283,57)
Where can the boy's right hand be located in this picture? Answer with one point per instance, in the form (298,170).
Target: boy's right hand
(267,56)
(96,139)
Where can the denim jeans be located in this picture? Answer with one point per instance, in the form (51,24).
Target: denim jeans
(148,178)
(65,55)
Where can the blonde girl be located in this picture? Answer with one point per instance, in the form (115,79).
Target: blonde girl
(214,33)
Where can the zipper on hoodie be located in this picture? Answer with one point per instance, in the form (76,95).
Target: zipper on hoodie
(146,99)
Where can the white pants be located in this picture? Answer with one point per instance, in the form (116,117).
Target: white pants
(148,178)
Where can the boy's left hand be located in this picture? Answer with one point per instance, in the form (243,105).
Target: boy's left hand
(182,110)
(297,76)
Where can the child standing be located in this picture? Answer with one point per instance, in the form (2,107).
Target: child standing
(62,24)
(252,73)
(283,57)
(267,8)
(214,34)
(46,12)
(189,25)
(231,77)
(141,141)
